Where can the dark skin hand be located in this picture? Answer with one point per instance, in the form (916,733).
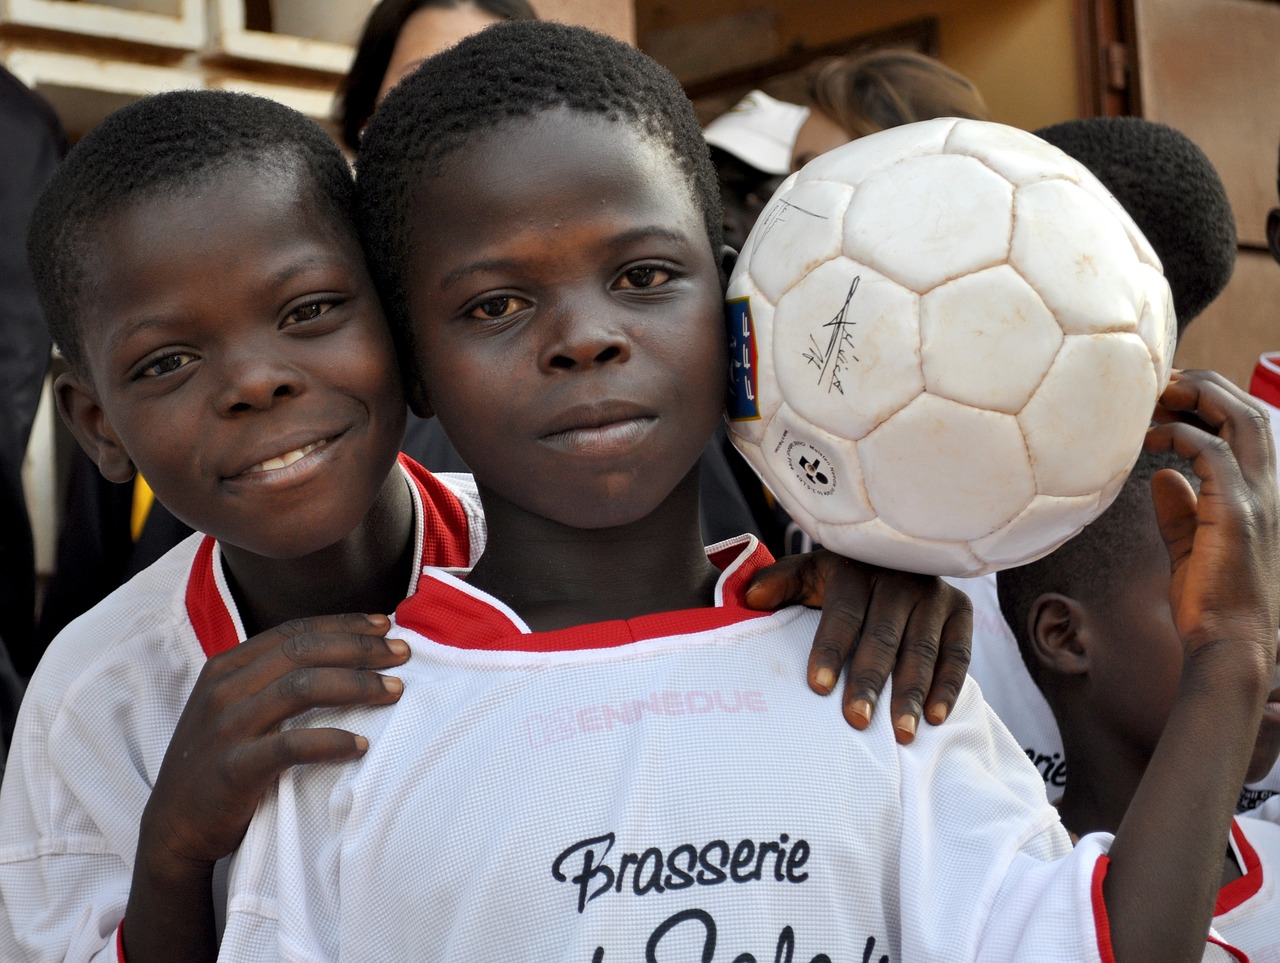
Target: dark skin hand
(229,748)
(1224,553)
(876,622)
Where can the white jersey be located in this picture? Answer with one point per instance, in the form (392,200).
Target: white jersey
(97,719)
(660,788)
(1248,911)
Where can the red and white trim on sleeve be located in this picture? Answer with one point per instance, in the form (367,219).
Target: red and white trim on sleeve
(1247,886)
(1100,918)
(443,540)
(447,610)
(1265,383)
(1229,897)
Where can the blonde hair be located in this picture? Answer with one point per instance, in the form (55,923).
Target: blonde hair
(872,91)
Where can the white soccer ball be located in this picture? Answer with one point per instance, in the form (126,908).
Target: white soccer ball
(947,339)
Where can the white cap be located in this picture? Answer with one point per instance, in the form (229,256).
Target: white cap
(759,130)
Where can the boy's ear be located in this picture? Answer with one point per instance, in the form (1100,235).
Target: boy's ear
(728,261)
(1273,232)
(80,410)
(416,394)
(1058,630)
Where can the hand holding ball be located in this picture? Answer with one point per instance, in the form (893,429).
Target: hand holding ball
(947,339)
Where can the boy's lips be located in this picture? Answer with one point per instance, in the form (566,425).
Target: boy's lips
(600,429)
(284,458)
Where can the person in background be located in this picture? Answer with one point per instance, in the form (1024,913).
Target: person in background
(860,94)
(398,36)
(751,150)
(33,145)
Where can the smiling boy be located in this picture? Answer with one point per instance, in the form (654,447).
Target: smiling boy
(199,267)
(604,760)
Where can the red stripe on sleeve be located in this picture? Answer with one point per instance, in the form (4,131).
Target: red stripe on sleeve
(120,943)
(1247,886)
(1100,918)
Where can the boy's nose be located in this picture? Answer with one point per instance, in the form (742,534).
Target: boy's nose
(255,383)
(585,342)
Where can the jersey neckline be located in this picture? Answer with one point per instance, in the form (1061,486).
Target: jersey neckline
(448,611)
(438,517)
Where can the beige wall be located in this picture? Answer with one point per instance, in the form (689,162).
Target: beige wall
(1210,68)
(614,17)
(1020,53)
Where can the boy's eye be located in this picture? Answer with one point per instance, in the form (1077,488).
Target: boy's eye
(497,308)
(165,365)
(643,277)
(309,312)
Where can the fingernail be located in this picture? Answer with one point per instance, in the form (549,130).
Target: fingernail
(377,619)
(362,743)
(825,678)
(392,684)
(398,647)
(937,713)
(905,727)
(860,709)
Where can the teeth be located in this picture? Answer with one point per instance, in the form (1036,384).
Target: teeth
(285,460)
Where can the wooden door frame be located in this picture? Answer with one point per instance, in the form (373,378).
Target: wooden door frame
(1107,84)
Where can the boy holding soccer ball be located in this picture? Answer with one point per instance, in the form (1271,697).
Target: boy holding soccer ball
(1095,630)
(622,771)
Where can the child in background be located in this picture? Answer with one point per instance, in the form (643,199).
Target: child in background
(1172,192)
(198,260)
(1095,630)
(603,760)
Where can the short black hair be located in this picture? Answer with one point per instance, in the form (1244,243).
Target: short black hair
(357,93)
(510,70)
(163,145)
(1094,564)
(1172,192)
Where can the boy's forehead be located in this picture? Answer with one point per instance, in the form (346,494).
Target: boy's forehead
(562,150)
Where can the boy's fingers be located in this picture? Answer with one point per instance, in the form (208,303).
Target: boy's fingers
(790,579)
(919,655)
(262,761)
(952,667)
(298,633)
(1223,409)
(844,592)
(876,654)
(312,688)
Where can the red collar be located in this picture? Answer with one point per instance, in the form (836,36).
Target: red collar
(448,611)
(441,531)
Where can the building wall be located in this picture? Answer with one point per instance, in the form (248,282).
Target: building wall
(1020,53)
